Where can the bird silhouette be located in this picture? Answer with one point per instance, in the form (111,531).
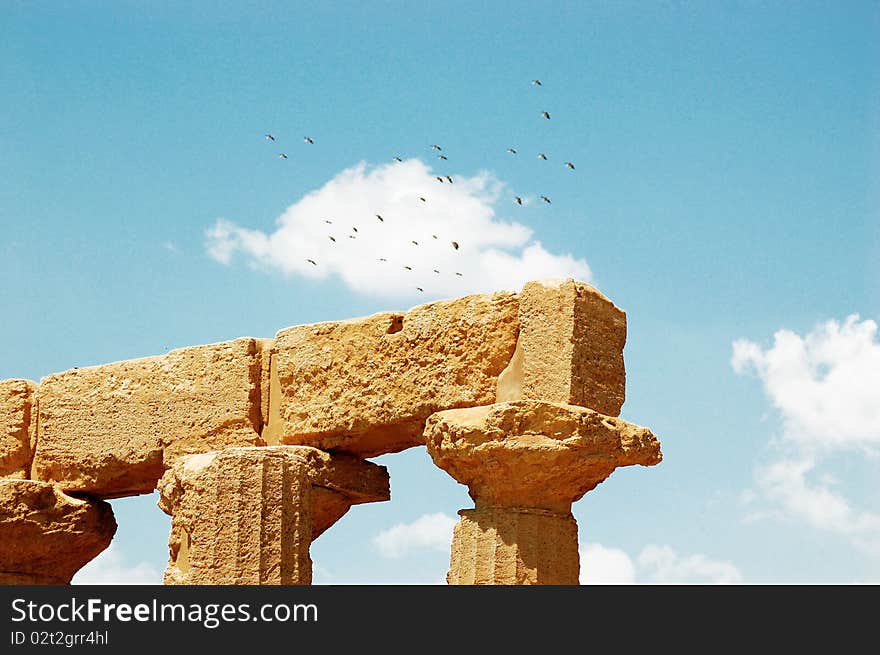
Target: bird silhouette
(329,222)
(434,235)
(568,164)
(455,244)
(438,178)
(308,139)
(449,179)
(420,288)
(536,82)
(382,259)
(351,236)
(458,274)
(511,151)
(541,155)
(269,137)
(546,114)
(282,155)
(397,159)
(517,200)
(380,218)
(332,239)
(443,157)
(422,199)
(409,268)
(436,147)
(436,271)
(312,261)
(415,243)
(545,199)
(354,228)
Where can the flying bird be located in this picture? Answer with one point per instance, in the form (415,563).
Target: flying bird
(397,159)
(380,218)
(546,114)
(436,147)
(541,155)
(329,222)
(354,228)
(382,259)
(511,151)
(536,82)
(282,155)
(415,243)
(438,178)
(269,137)
(436,271)
(351,236)
(458,274)
(308,139)
(443,157)
(312,261)
(517,200)
(449,179)
(545,199)
(422,199)
(420,288)
(455,244)
(409,268)
(434,235)
(568,164)
(332,239)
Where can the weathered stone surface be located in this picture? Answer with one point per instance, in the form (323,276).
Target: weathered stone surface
(524,463)
(111,430)
(570,348)
(17,427)
(532,454)
(366,386)
(249,515)
(46,536)
(514,547)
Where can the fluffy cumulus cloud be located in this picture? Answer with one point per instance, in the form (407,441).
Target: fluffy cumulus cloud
(429,531)
(492,253)
(826,389)
(112,568)
(654,565)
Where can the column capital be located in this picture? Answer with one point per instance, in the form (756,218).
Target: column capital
(534,454)
(47,536)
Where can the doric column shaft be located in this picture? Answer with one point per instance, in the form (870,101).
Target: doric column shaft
(514,546)
(247,516)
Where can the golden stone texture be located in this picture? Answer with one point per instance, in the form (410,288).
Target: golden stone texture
(247,516)
(112,430)
(524,463)
(17,427)
(47,536)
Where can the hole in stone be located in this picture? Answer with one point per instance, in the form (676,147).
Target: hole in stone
(396,325)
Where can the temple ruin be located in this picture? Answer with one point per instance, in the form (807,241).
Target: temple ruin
(257,446)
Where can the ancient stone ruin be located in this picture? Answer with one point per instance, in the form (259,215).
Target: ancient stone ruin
(257,446)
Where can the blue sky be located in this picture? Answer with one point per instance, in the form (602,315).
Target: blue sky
(727,187)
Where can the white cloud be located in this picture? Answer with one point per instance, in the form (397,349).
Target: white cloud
(602,565)
(826,388)
(431,531)
(111,568)
(663,565)
(493,253)
(826,385)
(654,565)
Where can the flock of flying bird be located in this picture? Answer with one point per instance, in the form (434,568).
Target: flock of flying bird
(440,178)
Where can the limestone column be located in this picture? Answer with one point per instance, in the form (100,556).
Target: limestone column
(47,536)
(247,516)
(524,463)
